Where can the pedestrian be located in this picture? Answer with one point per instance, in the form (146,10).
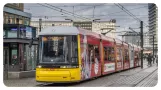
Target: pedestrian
(149,60)
(156,57)
(153,59)
(144,57)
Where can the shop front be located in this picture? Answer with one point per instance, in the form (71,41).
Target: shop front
(18,56)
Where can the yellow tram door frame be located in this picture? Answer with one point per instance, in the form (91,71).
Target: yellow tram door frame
(79,56)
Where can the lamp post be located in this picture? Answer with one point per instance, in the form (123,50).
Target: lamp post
(40,23)
(153,48)
(96,20)
(110,29)
(70,20)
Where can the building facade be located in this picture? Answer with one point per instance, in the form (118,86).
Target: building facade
(97,26)
(153,25)
(85,25)
(104,27)
(147,45)
(131,38)
(17,34)
(13,14)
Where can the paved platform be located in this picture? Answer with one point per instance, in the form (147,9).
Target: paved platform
(137,77)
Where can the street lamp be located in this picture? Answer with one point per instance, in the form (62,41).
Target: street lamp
(69,20)
(40,24)
(107,29)
(96,20)
(153,48)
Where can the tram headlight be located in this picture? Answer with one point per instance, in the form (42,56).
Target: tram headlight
(63,67)
(39,66)
(68,66)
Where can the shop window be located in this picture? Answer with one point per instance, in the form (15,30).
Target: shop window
(30,56)
(14,58)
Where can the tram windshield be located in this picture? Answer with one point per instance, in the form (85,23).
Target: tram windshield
(58,50)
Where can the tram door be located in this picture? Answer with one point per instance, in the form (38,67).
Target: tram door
(5,63)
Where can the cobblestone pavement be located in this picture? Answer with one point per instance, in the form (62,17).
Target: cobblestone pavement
(130,78)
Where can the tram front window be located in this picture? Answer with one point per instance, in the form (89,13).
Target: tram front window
(58,50)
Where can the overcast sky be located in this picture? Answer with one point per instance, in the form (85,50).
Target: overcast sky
(85,10)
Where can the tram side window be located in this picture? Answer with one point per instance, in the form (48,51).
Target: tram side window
(109,53)
(105,53)
(93,52)
(126,55)
(119,54)
(96,51)
(132,55)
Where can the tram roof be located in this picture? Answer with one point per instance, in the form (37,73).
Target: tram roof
(67,30)
(59,30)
(103,37)
(118,41)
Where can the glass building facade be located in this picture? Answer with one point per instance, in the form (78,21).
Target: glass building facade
(153,25)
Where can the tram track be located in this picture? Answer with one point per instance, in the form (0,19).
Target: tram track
(146,76)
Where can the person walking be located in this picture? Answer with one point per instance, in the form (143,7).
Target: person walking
(153,57)
(156,57)
(149,59)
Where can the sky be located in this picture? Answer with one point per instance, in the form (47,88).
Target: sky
(91,11)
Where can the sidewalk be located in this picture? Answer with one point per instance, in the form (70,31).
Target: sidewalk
(141,78)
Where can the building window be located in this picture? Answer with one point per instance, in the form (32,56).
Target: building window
(26,21)
(22,33)
(9,19)
(11,33)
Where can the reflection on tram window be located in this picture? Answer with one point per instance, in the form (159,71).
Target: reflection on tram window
(59,49)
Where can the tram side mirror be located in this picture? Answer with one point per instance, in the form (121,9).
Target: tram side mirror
(30,43)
